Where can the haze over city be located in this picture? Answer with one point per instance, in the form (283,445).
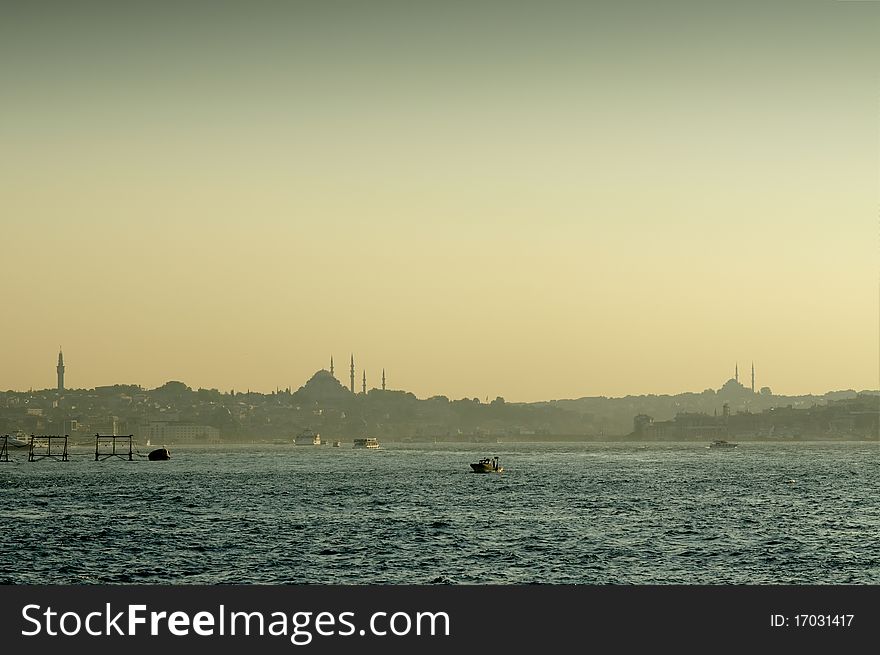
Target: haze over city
(483,200)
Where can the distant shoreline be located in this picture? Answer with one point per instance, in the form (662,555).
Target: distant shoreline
(506,440)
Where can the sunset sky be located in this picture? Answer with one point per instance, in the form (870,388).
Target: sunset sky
(533,200)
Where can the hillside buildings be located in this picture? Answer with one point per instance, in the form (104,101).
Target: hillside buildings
(175,413)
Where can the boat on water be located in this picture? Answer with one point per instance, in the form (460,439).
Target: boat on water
(368,442)
(337,443)
(159,455)
(721,443)
(487,465)
(308,438)
(18,440)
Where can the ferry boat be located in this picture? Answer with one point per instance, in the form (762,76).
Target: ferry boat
(368,442)
(308,438)
(487,465)
(720,443)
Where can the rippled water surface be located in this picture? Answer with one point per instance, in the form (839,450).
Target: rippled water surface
(797,513)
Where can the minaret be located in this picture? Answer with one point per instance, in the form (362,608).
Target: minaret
(60,370)
(736,373)
(383,379)
(352,373)
(364,387)
(331,365)
(753,377)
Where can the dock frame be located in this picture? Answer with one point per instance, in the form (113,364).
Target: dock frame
(46,441)
(4,449)
(111,439)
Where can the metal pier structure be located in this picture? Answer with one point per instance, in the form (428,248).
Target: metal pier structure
(110,440)
(4,449)
(41,447)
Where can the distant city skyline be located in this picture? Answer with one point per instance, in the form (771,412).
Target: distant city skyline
(527,200)
(381,384)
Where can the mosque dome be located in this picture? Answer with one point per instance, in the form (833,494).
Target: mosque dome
(322,385)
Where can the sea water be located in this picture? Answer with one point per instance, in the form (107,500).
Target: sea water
(559,513)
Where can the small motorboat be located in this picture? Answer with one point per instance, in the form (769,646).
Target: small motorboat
(487,465)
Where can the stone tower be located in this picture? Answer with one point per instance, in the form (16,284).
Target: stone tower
(60,370)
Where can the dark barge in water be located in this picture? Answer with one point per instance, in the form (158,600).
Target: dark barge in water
(160,454)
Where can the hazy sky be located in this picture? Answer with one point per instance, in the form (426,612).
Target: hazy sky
(533,200)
